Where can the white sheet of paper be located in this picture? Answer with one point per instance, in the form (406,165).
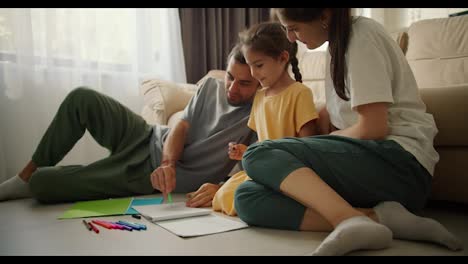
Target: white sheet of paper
(160,212)
(201,225)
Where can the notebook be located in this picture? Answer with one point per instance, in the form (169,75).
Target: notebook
(201,225)
(161,212)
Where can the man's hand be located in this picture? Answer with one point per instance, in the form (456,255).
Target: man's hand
(163,178)
(203,196)
(236,150)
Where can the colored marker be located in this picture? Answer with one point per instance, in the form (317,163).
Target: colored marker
(136,227)
(113,225)
(136,216)
(142,226)
(116,226)
(87,225)
(93,227)
(169,198)
(103,224)
(123,226)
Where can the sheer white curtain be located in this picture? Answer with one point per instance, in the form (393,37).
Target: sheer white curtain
(377,14)
(45,53)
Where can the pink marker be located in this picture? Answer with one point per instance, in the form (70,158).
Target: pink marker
(114,226)
(103,224)
(123,226)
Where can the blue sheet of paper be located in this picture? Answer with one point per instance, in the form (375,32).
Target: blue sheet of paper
(143,201)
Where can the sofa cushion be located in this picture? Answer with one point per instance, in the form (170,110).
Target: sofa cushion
(438,51)
(163,98)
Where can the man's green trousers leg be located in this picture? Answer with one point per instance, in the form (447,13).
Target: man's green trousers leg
(126,135)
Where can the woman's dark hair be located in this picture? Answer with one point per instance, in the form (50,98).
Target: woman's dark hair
(338,37)
(270,39)
(237,54)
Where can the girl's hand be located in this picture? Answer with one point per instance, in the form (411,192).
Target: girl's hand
(236,150)
(203,197)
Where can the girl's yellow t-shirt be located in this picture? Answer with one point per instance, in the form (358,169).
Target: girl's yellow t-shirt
(283,114)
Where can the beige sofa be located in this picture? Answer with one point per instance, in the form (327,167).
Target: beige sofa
(437,50)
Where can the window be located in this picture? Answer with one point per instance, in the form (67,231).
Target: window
(108,40)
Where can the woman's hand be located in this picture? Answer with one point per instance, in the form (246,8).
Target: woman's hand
(236,150)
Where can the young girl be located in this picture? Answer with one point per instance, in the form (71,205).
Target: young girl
(282,108)
(380,147)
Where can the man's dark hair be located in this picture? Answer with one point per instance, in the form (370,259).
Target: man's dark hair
(237,54)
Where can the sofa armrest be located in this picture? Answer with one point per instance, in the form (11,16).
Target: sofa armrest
(163,98)
(217,74)
(448,106)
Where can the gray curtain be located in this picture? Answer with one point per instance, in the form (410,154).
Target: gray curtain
(208,34)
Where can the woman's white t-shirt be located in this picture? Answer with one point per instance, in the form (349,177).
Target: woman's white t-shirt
(377,71)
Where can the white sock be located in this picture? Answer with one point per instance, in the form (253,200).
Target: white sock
(355,233)
(406,225)
(14,188)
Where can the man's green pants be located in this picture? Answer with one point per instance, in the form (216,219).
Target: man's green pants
(125,172)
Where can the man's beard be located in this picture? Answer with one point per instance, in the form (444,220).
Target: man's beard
(240,103)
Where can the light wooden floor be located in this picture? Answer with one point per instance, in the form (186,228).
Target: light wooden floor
(29,228)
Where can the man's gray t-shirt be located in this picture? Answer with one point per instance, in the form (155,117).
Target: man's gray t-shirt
(213,124)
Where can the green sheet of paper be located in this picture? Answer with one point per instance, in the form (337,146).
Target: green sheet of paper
(98,208)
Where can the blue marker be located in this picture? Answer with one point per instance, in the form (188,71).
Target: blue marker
(136,227)
(126,227)
(142,226)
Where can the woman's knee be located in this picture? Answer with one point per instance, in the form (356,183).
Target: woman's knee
(257,152)
(259,205)
(246,199)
